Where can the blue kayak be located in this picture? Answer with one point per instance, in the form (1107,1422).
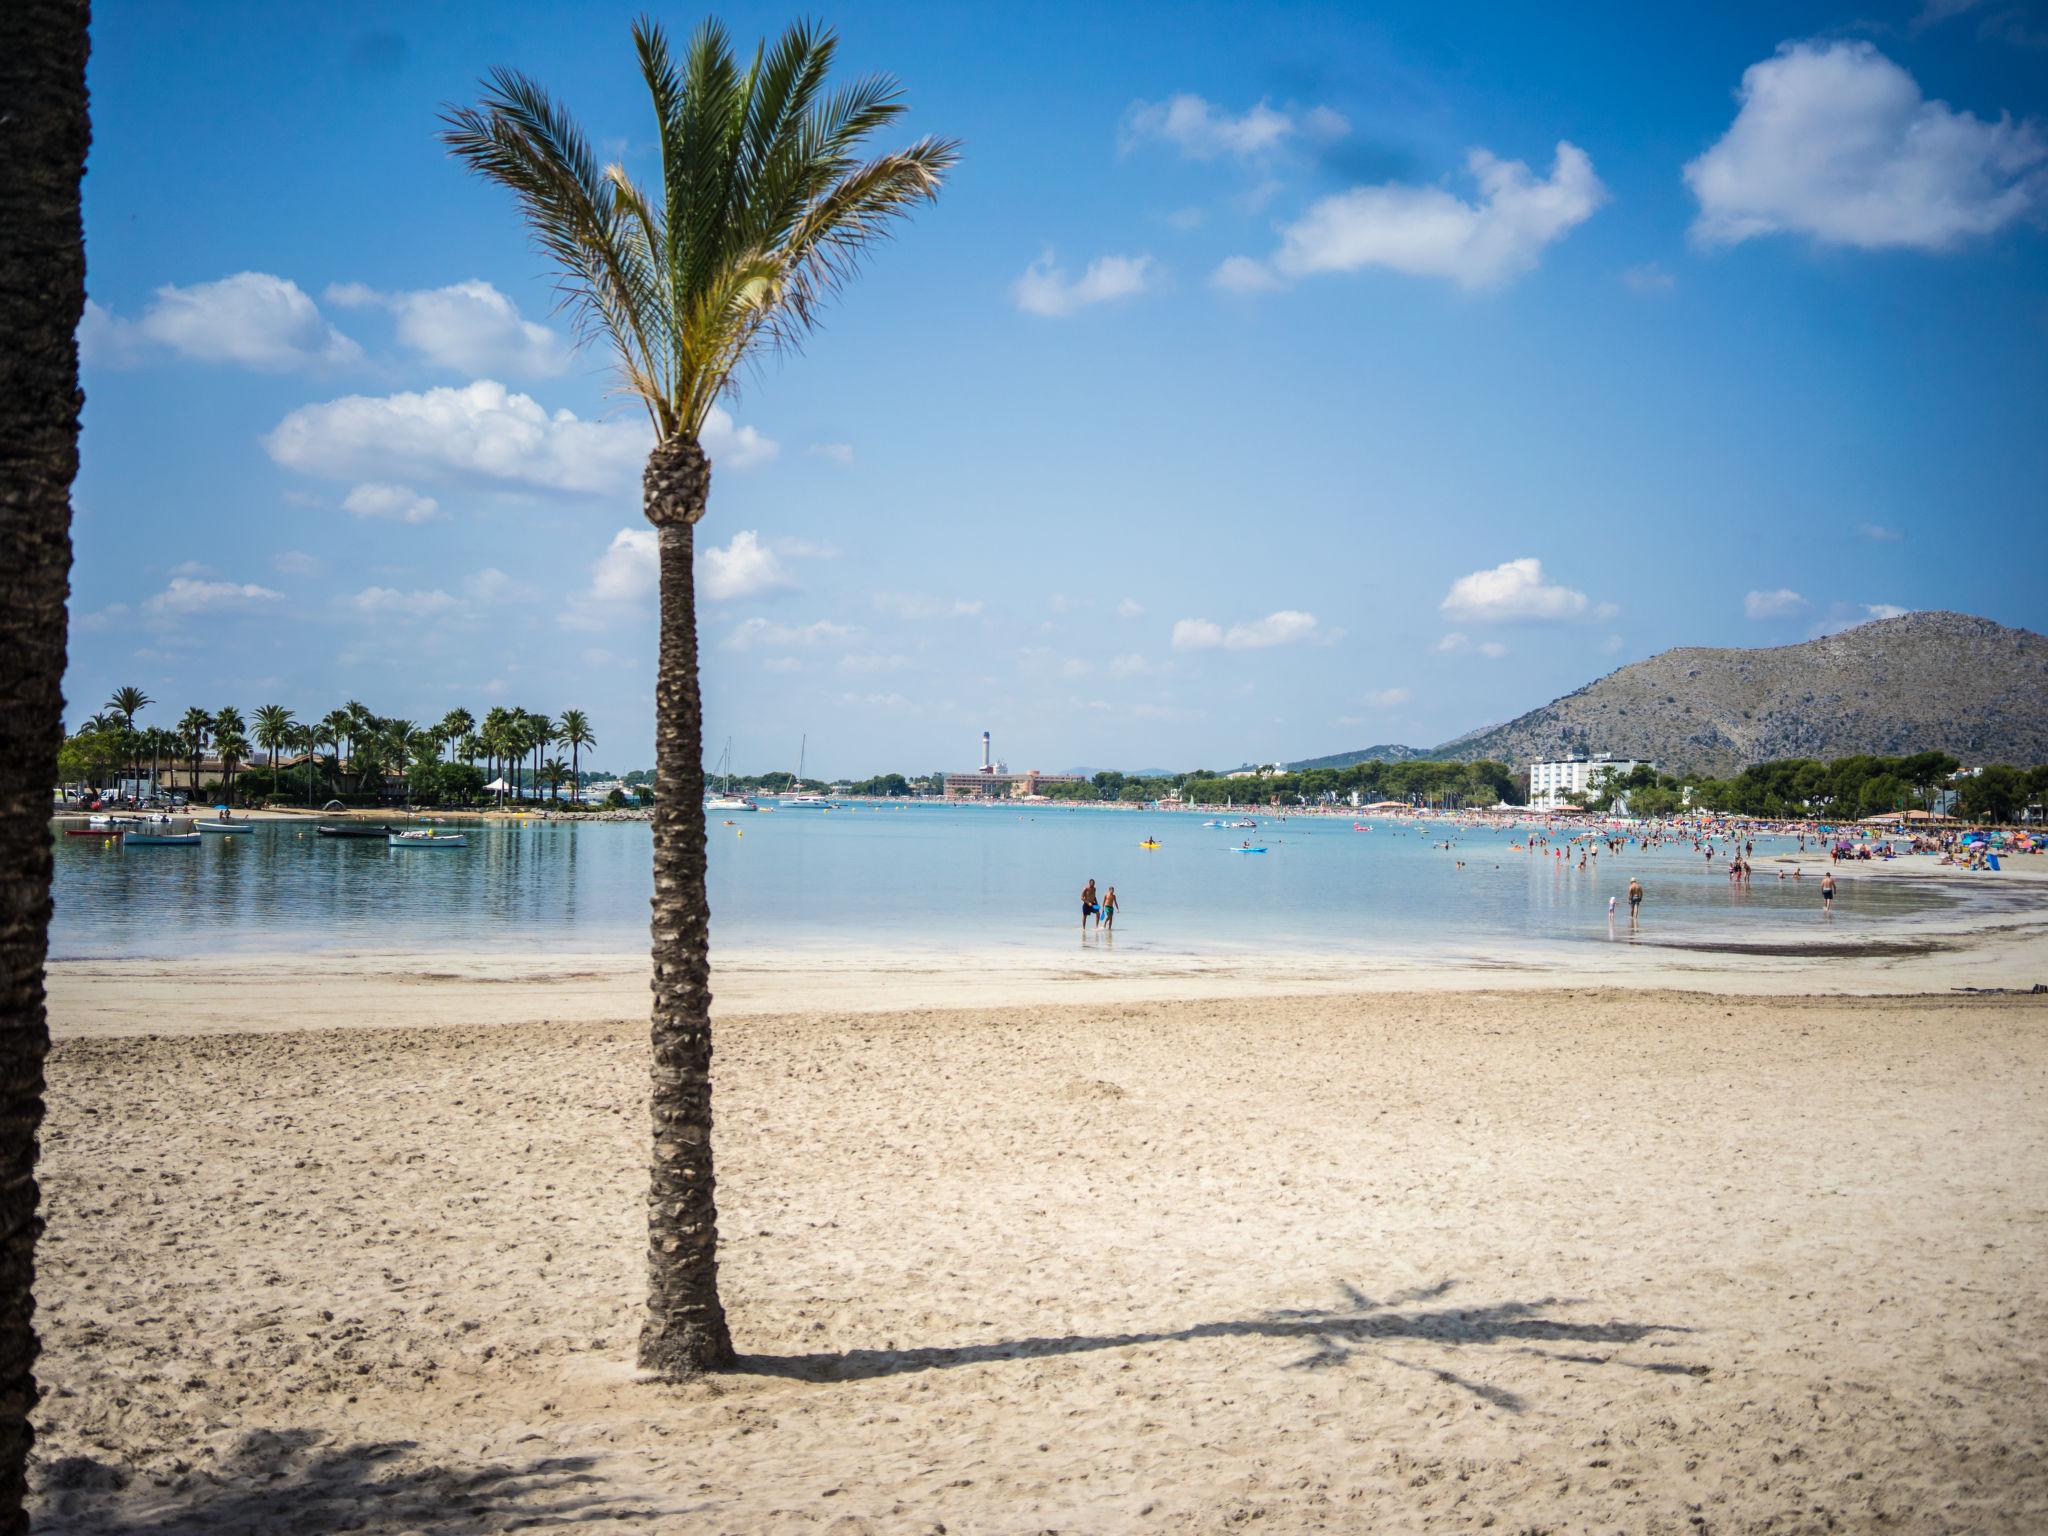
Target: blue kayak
(1247,850)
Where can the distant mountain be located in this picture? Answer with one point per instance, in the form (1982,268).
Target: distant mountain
(1920,682)
(1129,773)
(1385,754)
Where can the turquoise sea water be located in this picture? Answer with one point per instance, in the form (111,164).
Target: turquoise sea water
(928,876)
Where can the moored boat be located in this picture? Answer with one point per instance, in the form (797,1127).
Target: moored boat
(93,831)
(427,839)
(380,832)
(161,840)
(224,826)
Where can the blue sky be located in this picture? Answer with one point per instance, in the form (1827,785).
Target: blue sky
(1268,382)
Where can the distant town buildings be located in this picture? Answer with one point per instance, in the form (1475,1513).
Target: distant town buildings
(993,780)
(1551,782)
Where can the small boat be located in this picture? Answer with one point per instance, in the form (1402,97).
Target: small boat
(93,831)
(810,802)
(379,832)
(1247,850)
(1148,845)
(162,840)
(427,839)
(225,826)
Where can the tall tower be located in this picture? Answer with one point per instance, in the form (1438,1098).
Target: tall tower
(987,762)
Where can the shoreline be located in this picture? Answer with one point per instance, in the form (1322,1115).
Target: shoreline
(240,993)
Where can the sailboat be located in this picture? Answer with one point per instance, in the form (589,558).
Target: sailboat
(796,797)
(725,799)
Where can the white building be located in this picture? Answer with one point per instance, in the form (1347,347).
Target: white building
(1550,782)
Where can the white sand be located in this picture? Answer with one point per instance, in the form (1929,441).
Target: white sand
(1559,1260)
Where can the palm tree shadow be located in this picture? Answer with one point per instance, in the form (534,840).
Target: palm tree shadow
(1334,1335)
(293,1480)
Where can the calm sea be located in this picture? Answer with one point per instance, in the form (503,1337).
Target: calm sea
(926,876)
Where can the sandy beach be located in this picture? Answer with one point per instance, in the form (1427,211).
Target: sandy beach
(1566,1259)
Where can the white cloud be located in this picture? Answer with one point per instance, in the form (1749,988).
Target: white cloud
(871,661)
(1514,589)
(1879,532)
(1241,274)
(1130,608)
(1455,644)
(399,503)
(1131,664)
(388,602)
(782,664)
(732,447)
(1286,627)
(838,453)
(1834,141)
(192,568)
(1387,698)
(1045,288)
(1611,645)
(1200,130)
(1426,231)
(295,562)
(1885,610)
(743,568)
(894,702)
(1779,603)
(918,605)
(806,549)
(185,595)
(481,431)
(491,585)
(767,635)
(485,432)
(103,619)
(252,320)
(626,576)
(469,327)
(1649,277)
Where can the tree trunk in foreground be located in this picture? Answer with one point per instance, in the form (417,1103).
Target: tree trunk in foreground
(685,1330)
(44,131)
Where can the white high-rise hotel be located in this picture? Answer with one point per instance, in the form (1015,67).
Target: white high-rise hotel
(1550,782)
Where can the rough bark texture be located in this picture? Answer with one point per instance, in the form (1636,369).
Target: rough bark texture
(43,136)
(685,1332)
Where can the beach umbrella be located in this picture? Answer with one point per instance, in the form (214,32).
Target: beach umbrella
(497,784)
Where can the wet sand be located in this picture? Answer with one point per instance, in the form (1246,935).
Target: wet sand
(1559,1259)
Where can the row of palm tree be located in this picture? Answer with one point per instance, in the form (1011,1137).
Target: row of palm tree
(369,747)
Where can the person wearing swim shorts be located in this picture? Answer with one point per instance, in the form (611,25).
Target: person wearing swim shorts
(1108,917)
(1088,906)
(1635,900)
(1827,894)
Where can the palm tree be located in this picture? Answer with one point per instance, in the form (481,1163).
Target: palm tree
(333,729)
(359,722)
(766,207)
(128,702)
(193,730)
(42,271)
(573,731)
(274,728)
(162,744)
(552,773)
(306,739)
(233,749)
(540,730)
(456,724)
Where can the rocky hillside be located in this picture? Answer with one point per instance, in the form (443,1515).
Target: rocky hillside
(1385,754)
(1921,682)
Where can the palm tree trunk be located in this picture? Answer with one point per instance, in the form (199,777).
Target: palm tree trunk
(685,1331)
(43,137)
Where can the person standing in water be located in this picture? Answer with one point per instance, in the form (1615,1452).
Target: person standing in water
(1108,911)
(1827,894)
(1635,899)
(1088,907)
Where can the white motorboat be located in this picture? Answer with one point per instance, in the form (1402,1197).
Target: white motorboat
(427,838)
(224,826)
